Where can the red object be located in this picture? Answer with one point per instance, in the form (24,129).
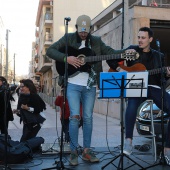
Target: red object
(154,4)
(121,63)
(59,102)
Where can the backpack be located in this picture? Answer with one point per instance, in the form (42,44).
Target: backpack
(18,152)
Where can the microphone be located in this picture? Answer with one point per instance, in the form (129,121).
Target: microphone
(67,18)
(158,43)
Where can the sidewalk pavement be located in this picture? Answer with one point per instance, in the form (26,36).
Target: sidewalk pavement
(105,139)
(106,130)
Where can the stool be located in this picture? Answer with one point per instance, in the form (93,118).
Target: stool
(152,130)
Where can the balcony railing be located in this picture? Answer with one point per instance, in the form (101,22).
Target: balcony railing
(47,59)
(48,16)
(35,70)
(48,37)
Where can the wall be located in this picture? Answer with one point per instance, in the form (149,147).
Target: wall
(111,34)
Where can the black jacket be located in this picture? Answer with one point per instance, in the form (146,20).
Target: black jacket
(8,105)
(34,101)
(156,59)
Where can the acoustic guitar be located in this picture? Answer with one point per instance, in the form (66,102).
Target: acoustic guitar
(88,57)
(140,67)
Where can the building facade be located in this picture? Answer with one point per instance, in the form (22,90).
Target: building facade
(108,26)
(116,23)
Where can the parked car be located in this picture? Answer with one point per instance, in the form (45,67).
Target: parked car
(143,120)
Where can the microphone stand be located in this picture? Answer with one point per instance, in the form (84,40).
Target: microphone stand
(162,156)
(60,164)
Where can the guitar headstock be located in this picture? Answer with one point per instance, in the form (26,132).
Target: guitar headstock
(130,56)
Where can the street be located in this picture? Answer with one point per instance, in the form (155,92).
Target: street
(106,141)
(106,130)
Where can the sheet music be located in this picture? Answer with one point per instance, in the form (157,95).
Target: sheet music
(135,84)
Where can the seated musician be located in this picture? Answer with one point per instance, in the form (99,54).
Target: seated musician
(151,59)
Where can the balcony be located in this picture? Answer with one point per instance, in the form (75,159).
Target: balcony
(47,59)
(47,64)
(48,39)
(36,58)
(115,9)
(48,19)
(35,70)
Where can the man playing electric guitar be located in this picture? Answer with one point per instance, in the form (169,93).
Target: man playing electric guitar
(148,59)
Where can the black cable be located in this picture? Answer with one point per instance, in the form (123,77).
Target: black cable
(107,127)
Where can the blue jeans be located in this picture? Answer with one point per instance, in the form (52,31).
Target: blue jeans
(75,95)
(133,103)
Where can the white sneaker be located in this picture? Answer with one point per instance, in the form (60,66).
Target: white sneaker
(127,149)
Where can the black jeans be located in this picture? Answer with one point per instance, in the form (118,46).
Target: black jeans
(30,130)
(2,126)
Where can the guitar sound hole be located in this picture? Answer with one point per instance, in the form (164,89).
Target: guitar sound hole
(81,58)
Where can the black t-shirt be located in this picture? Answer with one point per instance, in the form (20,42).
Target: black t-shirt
(148,62)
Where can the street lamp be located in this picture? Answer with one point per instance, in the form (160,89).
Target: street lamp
(14,69)
(6,71)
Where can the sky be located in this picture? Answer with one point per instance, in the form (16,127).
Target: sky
(19,17)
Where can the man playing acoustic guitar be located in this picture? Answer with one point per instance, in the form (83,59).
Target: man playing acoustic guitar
(82,80)
(151,60)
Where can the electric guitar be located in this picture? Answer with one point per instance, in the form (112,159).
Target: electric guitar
(87,57)
(140,67)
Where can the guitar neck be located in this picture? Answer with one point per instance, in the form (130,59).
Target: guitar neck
(157,71)
(102,57)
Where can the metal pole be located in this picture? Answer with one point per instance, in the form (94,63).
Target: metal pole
(122,43)
(6,71)
(1,60)
(126,24)
(14,69)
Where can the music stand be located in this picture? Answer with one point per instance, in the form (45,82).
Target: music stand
(112,82)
